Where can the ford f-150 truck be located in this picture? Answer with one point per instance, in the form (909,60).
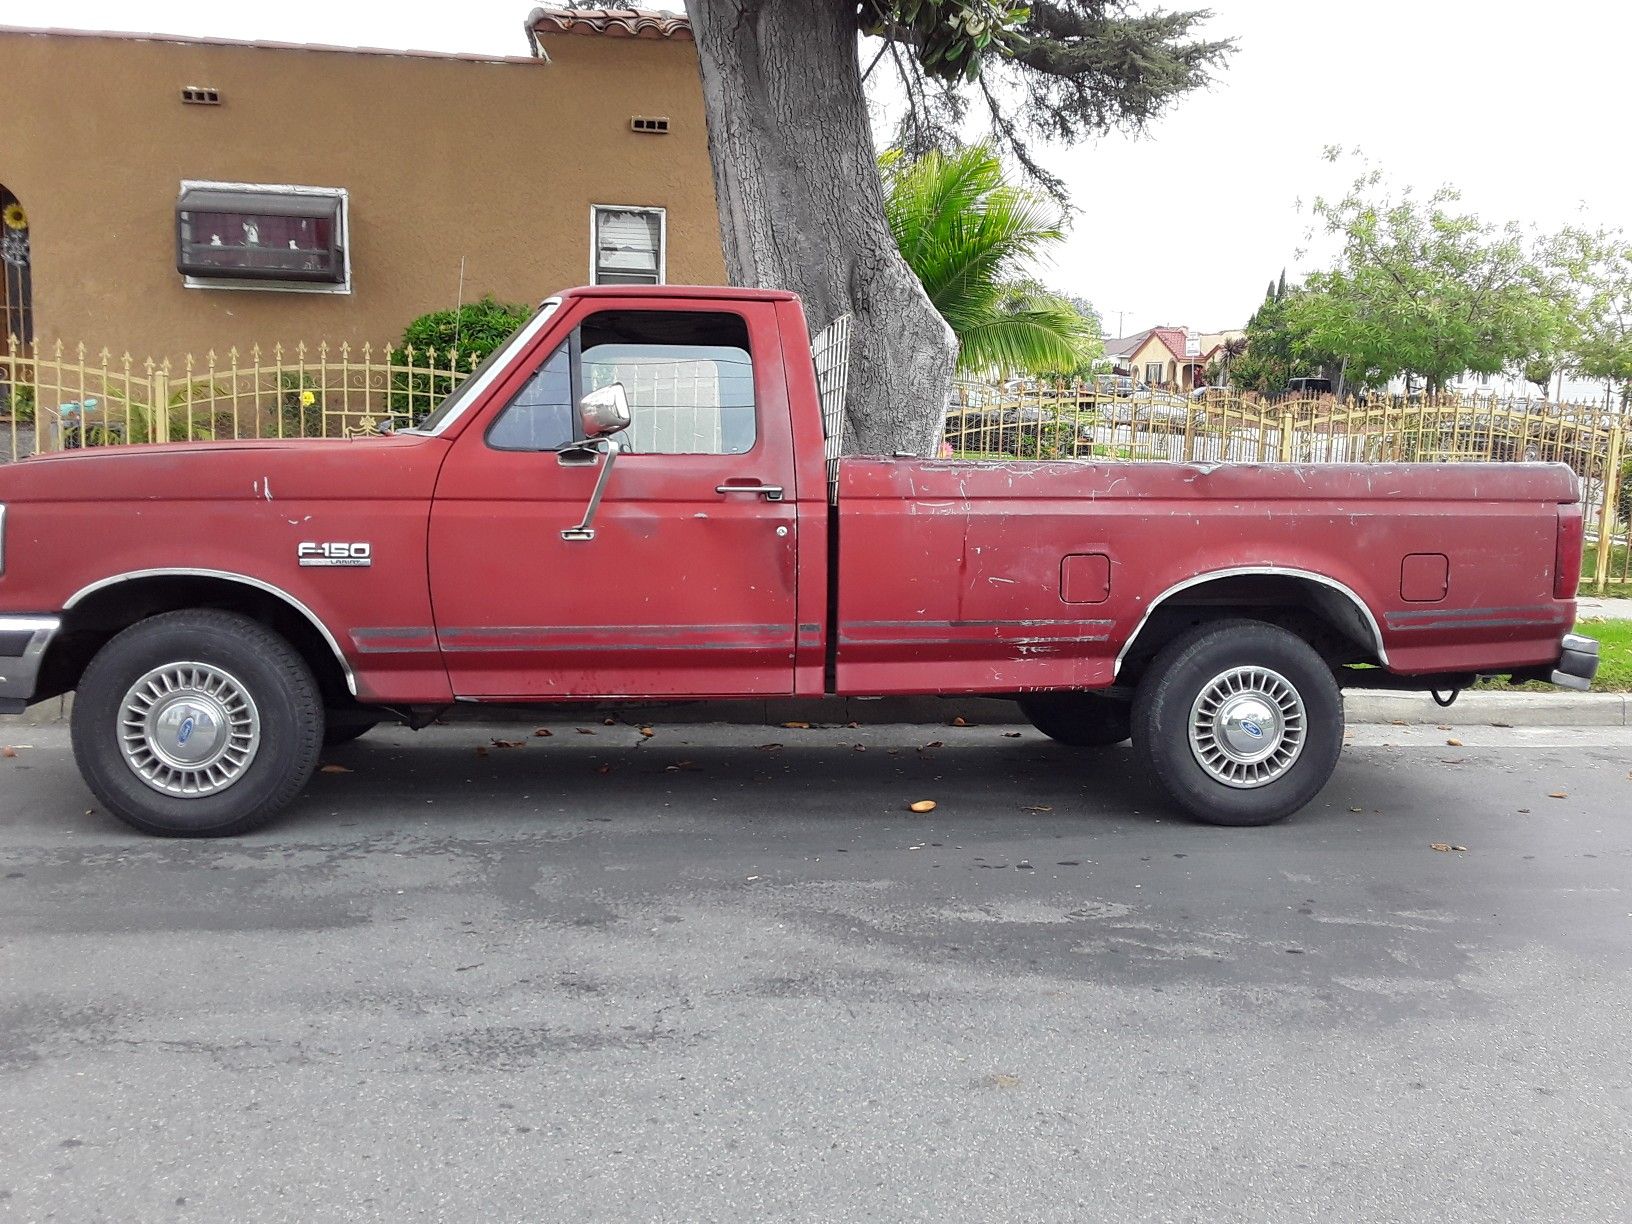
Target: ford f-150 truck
(640,496)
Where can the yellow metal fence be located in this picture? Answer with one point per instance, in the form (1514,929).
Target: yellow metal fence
(56,398)
(53,397)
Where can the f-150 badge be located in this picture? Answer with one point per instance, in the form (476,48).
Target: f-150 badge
(334,554)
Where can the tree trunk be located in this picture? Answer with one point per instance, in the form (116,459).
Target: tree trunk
(801,206)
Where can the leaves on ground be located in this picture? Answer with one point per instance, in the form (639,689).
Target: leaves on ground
(1445,847)
(1558,794)
(1454,743)
(797,726)
(8,751)
(959,722)
(1011,735)
(932,744)
(498,743)
(334,769)
(922,805)
(647,733)
(543,733)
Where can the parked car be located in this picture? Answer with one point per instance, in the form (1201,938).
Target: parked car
(577,523)
(1309,386)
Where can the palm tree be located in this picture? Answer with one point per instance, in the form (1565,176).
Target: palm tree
(969,234)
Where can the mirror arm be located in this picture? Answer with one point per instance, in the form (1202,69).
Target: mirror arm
(585,530)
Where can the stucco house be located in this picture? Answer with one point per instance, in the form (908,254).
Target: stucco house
(163,194)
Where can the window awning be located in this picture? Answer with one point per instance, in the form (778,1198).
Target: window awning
(258,203)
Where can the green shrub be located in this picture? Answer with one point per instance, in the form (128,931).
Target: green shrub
(19,405)
(472,332)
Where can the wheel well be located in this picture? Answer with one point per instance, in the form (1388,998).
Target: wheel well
(99,615)
(1329,618)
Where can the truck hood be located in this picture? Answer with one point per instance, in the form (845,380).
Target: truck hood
(390,467)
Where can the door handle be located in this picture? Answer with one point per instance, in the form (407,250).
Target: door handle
(769,492)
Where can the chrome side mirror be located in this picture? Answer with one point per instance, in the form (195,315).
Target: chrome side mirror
(612,446)
(605,411)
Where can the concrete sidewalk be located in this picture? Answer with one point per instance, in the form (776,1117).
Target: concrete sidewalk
(1593,607)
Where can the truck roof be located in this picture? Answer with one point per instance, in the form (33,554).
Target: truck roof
(729,293)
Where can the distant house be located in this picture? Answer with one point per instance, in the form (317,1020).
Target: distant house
(1174,357)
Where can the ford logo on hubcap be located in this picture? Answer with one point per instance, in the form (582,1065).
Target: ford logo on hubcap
(1247,725)
(184,732)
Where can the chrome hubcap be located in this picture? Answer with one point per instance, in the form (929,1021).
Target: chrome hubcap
(1247,726)
(189,729)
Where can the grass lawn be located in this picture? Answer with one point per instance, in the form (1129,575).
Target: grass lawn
(1617,567)
(1614,669)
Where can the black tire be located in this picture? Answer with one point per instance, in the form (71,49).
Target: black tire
(1082,720)
(336,735)
(269,672)
(1174,683)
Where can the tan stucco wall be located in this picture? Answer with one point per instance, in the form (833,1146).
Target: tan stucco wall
(497,162)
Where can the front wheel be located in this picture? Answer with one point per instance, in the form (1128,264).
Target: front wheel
(1240,722)
(197,724)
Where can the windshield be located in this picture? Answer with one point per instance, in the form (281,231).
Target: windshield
(449,409)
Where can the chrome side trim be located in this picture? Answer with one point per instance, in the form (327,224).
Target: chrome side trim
(521,340)
(227,575)
(20,674)
(1262,570)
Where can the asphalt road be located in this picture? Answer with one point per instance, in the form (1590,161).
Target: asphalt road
(700,978)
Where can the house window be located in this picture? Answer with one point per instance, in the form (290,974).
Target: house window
(627,245)
(248,236)
(1153,372)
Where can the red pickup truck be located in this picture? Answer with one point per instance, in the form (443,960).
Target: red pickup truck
(638,496)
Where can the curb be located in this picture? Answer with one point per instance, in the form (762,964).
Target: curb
(1562,709)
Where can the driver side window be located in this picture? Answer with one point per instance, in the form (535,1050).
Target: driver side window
(542,416)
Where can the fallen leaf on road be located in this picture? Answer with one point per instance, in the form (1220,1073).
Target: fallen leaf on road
(932,744)
(769,747)
(1454,743)
(498,743)
(797,726)
(1011,735)
(958,722)
(609,722)
(1558,794)
(543,733)
(922,805)
(1441,846)
(861,747)
(8,751)
(647,732)
(334,769)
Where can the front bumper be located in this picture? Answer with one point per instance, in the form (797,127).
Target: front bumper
(23,642)
(1577,662)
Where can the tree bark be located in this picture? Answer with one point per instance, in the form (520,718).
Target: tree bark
(801,206)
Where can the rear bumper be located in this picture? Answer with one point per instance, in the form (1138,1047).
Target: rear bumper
(1577,662)
(23,642)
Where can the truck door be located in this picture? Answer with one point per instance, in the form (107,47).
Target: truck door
(686,586)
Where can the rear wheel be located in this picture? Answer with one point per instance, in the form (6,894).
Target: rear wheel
(1082,720)
(1240,722)
(197,724)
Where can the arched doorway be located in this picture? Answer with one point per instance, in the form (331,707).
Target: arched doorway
(16,280)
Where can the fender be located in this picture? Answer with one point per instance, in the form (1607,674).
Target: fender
(226,576)
(1272,570)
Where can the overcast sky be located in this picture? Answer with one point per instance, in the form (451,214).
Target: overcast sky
(1518,104)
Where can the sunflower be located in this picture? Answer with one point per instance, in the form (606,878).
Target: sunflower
(14,216)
